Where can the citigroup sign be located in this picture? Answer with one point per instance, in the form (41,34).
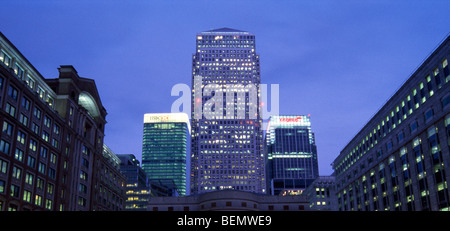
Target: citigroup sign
(291,119)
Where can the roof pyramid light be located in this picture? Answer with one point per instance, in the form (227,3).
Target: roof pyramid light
(225,29)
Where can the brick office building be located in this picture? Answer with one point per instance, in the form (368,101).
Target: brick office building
(51,143)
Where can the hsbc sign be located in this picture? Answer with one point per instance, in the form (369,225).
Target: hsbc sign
(165,117)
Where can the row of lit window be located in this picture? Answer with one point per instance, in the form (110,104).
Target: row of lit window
(233,127)
(220,79)
(13,93)
(215,137)
(139,192)
(27,196)
(7,60)
(210,37)
(23,119)
(223,46)
(225,58)
(240,167)
(219,40)
(237,182)
(395,114)
(220,52)
(230,146)
(224,141)
(234,186)
(227,70)
(234,161)
(213,122)
(428,115)
(230,153)
(31,161)
(222,175)
(437,168)
(229,76)
(229,64)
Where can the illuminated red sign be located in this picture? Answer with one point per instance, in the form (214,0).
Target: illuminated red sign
(291,119)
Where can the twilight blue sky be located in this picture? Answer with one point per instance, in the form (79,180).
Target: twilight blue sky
(338,60)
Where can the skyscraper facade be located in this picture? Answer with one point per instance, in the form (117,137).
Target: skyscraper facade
(400,160)
(226,146)
(137,190)
(291,154)
(164,149)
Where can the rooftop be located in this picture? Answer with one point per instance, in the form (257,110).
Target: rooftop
(226,30)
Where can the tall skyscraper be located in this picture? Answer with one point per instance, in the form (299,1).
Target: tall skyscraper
(226,151)
(291,154)
(164,149)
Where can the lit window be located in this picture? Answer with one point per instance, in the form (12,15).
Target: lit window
(18,155)
(30,82)
(38,200)
(42,168)
(5,58)
(21,137)
(37,113)
(29,178)
(16,172)
(18,70)
(4,146)
(50,101)
(27,196)
(41,92)
(7,128)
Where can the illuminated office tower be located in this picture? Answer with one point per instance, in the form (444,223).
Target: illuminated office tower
(226,140)
(291,154)
(164,149)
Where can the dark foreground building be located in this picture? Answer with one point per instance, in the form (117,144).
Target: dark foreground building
(400,160)
(229,200)
(322,194)
(51,144)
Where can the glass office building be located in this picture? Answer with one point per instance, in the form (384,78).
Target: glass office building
(164,149)
(291,155)
(227,148)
